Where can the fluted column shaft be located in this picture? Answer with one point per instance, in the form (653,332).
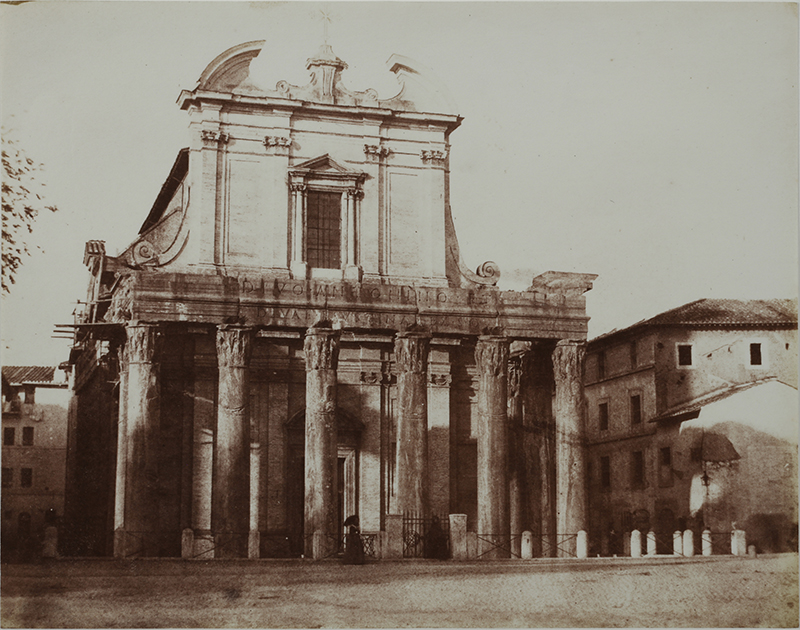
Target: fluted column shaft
(136,513)
(322,353)
(516,469)
(230,516)
(571,508)
(491,357)
(411,361)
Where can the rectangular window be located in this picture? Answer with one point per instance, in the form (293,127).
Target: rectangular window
(603,411)
(8,477)
(637,469)
(324,229)
(666,456)
(27,436)
(601,365)
(636,409)
(605,472)
(8,436)
(634,354)
(26,478)
(684,354)
(665,467)
(755,354)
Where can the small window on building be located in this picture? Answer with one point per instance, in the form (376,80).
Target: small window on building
(665,467)
(27,436)
(603,415)
(666,456)
(755,354)
(26,478)
(324,229)
(684,354)
(8,436)
(636,409)
(8,477)
(605,472)
(637,469)
(601,365)
(634,354)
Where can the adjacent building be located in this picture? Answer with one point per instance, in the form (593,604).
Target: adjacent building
(35,401)
(692,424)
(293,338)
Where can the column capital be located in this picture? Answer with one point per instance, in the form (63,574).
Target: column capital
(142,342)
(568,359)
(411,350)
(321,348)
(234,344)
(491,355)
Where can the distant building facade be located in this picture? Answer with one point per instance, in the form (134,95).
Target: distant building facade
(35,401)
(692,424)
(293,339)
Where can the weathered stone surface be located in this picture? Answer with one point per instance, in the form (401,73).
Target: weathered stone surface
(491,357)
(231,492)
(411,362)
(569,419)
(321,351)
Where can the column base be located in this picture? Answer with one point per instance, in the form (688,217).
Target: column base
(352,273)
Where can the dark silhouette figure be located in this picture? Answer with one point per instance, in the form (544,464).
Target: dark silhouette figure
(353,547)
(436,541)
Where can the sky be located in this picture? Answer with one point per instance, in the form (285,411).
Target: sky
(653,144)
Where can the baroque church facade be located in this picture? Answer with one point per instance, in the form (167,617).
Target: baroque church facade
(293,339)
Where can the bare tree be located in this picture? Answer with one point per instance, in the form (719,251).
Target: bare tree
(22,202)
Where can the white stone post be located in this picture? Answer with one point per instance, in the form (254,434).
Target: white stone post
(688,543)
(582,544)
(706,542)
(526,549)
(677,543)
(651,543)
(738,543)
(636,544)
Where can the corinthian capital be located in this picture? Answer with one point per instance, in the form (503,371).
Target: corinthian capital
(142,341)
(411,351)
(491,355)
(321,348)
(568,360)
(234,344)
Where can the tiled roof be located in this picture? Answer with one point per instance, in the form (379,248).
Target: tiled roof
(715,313)
(19,374)
(710,312)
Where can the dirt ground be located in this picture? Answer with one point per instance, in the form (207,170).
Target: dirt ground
(713,592)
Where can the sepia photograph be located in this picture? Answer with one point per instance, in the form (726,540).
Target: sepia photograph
(399,314)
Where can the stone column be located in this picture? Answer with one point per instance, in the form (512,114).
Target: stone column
(230,511)
(516,467)
(322,353)
(202,475)
(136,517)
(491,357)
(411,359)
(351,269)
(298,263)
(119,492)
(569,420)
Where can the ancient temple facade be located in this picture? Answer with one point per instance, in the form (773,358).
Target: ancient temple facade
(293,339)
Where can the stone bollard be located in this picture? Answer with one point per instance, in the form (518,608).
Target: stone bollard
(738,542)
(254,544)
(688,543)
(677,543)
(706,542)
(651,543)
(187,543)
(582,545)
(636,544)
(751,551)
(458,536)
(526,551)
(394,537)
(50,544)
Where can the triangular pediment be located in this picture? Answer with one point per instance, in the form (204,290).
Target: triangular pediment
(322,164)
